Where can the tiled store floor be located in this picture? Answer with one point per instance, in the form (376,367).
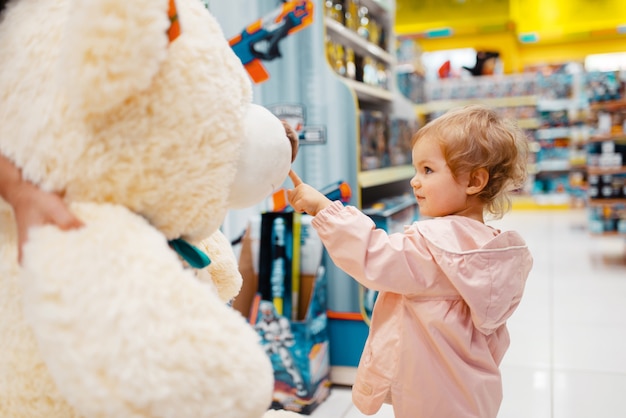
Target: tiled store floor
(568,337)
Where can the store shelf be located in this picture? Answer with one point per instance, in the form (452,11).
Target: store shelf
(369,93)
(351,39)
(608,105)
(577,166)
(552,105)
(543,203)
(528,123)
(443,105)
(607,202)
(606,170)
(553,200)
(608,234)
(563,136)
(553,133)
(380,106)
(382,176)
(604,138)
(553,166)
(391,207)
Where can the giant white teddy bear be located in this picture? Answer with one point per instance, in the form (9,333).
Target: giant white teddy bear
(150,140)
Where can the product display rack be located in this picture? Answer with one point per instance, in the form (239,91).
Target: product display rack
(359,46)
(555,112)
(436,106)
(348,38)
(386,122)
(606,168)
(336,97)
(559,145)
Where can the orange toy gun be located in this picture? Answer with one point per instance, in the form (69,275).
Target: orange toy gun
(339,190)
(259,41)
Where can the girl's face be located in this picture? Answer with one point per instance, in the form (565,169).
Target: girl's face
(437,192)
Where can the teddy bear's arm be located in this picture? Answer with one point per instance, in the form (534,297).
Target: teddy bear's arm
(223,272)
(126,331)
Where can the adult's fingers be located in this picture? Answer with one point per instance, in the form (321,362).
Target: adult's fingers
(67,222)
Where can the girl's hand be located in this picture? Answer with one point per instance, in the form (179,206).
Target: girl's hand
(304,198)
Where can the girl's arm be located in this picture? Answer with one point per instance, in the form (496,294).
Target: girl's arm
(398,263)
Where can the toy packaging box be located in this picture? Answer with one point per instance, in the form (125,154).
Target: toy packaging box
(288,310)
(401,132)
(374,130)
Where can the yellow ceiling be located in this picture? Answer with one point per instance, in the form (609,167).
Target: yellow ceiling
(416,16)
(563,19)
(550,20)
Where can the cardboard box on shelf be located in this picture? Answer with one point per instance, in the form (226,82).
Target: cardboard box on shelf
(286,305)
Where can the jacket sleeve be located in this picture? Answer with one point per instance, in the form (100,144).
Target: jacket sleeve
(399,263)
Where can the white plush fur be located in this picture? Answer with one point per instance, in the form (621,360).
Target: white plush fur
(144,139)
(223,272)
(260,128)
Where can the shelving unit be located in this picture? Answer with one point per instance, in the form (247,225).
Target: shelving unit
(559,145)
(553,110)
(367,93)
(496,102)
(383,169)
(313,77)
(606,168)
(375,98)
(598,171)
(349,38)
(385,176)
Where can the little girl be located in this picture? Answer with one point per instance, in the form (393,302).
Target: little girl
(446,284)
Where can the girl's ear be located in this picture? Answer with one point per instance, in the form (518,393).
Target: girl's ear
(477,181)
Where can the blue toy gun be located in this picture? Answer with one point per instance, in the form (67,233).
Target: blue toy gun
(259,41)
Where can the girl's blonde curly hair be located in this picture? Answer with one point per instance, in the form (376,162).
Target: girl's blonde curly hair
(474,137)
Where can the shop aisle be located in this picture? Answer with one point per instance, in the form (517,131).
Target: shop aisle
(568,337)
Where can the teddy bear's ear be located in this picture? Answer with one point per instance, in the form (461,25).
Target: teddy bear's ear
(112,49)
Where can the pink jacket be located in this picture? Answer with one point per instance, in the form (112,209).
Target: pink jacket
(438,332)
